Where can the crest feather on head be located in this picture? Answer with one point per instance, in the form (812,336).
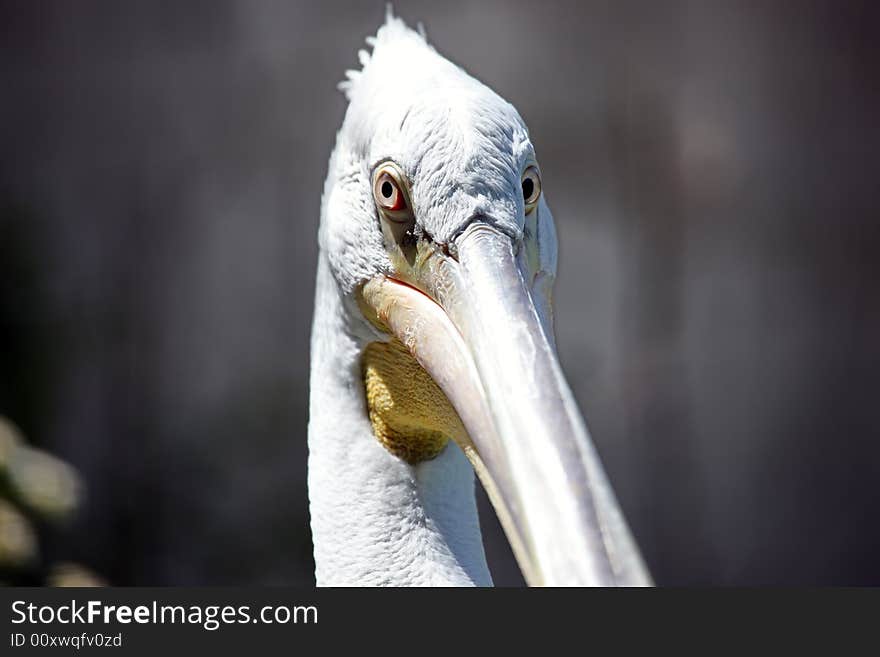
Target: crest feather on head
(392,31)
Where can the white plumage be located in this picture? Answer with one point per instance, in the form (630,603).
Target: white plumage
(376,519)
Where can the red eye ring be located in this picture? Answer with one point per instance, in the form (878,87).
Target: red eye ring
(388,193)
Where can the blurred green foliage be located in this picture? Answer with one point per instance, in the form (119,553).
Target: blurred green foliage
(35,487)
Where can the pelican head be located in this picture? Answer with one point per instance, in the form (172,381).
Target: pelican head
(438,256)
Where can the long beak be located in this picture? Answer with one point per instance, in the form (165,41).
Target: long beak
(472,324)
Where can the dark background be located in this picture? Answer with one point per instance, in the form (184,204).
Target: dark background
(713,172)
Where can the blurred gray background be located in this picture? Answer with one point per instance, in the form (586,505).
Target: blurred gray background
(713,171)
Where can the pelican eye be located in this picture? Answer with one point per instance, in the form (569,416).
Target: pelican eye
(389,192)
(531,187)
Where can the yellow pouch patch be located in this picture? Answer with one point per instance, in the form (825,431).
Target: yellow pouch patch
(410,415)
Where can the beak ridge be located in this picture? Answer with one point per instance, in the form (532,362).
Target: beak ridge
(484,344)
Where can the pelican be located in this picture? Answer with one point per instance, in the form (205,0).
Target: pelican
(433,356)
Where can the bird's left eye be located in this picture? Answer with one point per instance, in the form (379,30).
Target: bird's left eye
(531,187)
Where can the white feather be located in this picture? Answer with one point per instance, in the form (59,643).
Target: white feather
(375,519)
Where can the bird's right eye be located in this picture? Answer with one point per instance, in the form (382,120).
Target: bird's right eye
(389,193)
